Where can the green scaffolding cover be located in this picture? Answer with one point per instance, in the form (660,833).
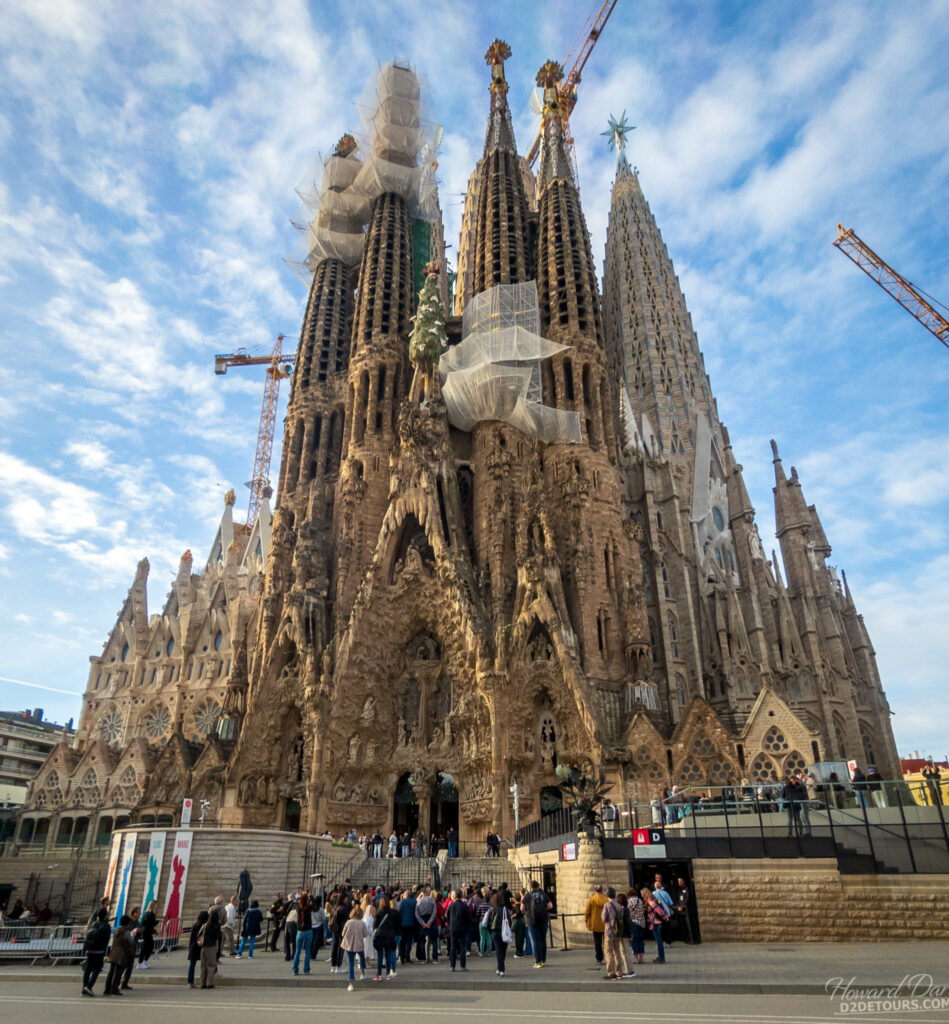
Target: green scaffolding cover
(421,253)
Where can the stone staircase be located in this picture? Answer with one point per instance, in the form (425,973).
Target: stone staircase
(458,871)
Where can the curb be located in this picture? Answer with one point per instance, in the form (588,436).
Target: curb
(670,986)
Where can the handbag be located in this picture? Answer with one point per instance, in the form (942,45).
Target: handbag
(484,918)
(506,935)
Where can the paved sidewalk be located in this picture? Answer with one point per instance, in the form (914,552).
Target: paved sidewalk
(801,969)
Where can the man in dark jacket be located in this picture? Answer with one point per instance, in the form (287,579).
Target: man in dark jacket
(536,905)
(459,925)
(95,946)
(277,915)
(795,793)
(408,925)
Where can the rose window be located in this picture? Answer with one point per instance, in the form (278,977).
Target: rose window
(774,741)
(691,773)
(643,755)
(110,727)
(205,718)
(718,773)
(157,723)
(703,747)
(762,768)
(794,761)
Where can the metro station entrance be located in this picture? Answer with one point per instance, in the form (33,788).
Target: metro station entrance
(642,874)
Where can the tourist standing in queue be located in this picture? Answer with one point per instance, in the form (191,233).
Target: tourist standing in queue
(250,929)
(304,935)
(657,916)
(499,926)
(229,928)
(149,924)
(210,942)
(459,929)
(134,929)
(408,925)
(94,948)
(593,919)
(194,945)
(637,921)
(616,921)
(536,906)
(353,942)
(385,938)
(277,912)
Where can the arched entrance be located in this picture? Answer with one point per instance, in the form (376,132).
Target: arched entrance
(291,815)
(444,809)
(405,806)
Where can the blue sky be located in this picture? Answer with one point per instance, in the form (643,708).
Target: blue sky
(148,158)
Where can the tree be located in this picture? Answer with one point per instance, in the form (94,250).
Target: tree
(429,339)
(584,791)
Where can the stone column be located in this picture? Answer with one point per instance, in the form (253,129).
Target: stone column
(423,794)
(575,882)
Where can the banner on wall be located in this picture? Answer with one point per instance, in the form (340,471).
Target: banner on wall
(156,854)
(177,879)
(113,864)
(125,875)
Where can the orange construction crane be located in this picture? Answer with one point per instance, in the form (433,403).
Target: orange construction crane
(279,366)
(905,292)
(568,87)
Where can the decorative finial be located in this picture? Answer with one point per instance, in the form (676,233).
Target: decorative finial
(345,147)
(230,498)
(617,132)
(498,53)
(550,74)
(187,557)
(431,268)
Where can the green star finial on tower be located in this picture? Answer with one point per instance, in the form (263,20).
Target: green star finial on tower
(617,132)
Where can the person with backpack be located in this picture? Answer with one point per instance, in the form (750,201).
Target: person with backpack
(120,956)
(615,930)
(95,946)
(657,916)
(536,906)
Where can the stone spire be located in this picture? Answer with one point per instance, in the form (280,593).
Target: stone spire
(554,162)
(790,508)
(649,331)
(500,235)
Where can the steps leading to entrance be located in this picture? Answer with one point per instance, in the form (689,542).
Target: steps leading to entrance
(456,871)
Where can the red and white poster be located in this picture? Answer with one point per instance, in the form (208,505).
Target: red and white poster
(851,767)
(177,879)
(113,864)
(186,806)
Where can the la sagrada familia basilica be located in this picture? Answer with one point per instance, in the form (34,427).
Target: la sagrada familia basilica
(509,532)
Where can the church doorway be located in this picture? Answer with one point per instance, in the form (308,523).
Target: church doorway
(405,807)
(291,815)
(444,807)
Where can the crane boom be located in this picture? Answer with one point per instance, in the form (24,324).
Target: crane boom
(568,87)
(277,369)
(905,292)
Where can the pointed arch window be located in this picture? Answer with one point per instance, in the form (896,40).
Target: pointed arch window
(673,627)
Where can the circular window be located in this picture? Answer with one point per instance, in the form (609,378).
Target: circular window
(218,640)
(703,747)
(157,723)
(774,741)
(205,718)
(110,727)
(718,519)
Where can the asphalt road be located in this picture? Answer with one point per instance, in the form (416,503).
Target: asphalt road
(53,1004)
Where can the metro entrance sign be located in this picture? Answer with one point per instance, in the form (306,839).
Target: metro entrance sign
(648,844)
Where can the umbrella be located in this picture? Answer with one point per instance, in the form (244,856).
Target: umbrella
(244,888)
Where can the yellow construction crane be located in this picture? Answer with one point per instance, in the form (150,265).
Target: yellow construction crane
(905,292)
(279,366)
(571,79)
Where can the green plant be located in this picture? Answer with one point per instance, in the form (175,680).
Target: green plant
(584,789)
(344,842)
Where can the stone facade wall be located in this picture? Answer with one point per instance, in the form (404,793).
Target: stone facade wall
(810,901)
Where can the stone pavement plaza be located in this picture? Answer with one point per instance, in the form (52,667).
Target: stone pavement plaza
(796,969)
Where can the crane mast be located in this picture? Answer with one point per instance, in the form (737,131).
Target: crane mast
(568,87)
(278,368)
(905,292)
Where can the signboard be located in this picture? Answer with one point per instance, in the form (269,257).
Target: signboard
(568,851)
(125,876)
(113,864)
(649,844)
(186,806)
(177,880)
(156,854)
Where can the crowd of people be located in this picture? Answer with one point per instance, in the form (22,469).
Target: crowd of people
(412,844)
(376,931)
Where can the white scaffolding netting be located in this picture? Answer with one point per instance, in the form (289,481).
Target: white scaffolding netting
(494,373)
(338,213)
(399,140)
